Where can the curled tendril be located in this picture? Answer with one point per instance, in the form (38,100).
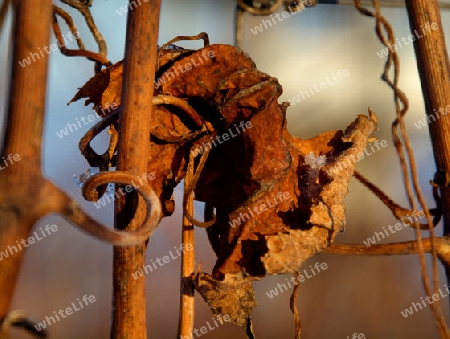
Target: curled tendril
(202,35)
(180,103)
(191,180)
(94,159)
(103,161)
(152,217)
(169,44)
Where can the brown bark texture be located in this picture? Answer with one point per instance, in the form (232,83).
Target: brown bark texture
(129,315)
(434,70)
(25,195)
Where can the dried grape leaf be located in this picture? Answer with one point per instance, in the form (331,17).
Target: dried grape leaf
(279,199)
(103,90)
(235,300)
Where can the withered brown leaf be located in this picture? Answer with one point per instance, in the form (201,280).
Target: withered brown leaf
(279,199)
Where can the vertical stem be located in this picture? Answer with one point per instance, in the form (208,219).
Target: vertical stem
(21,182)
(129,314)
(186,322)
(26,106)
(239,26)
(434,71)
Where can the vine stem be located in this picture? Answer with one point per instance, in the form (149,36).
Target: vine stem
(187,305)
(129,302)
(442,245)
(434,71)
(22,184)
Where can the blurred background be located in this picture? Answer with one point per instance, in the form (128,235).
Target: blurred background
(354,295)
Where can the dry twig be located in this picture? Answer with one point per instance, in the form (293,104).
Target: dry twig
(401,213)
(97,57)
(83,8)
(293,299)
(133,151)
(187,301)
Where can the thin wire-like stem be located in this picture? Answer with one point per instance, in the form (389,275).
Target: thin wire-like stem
(399,212)
(239,27)
(69,21)
(388,3)
(187,305)
(83,8)
(82,52)
(293,306)
(401,107)
(442,245)
(190,188)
